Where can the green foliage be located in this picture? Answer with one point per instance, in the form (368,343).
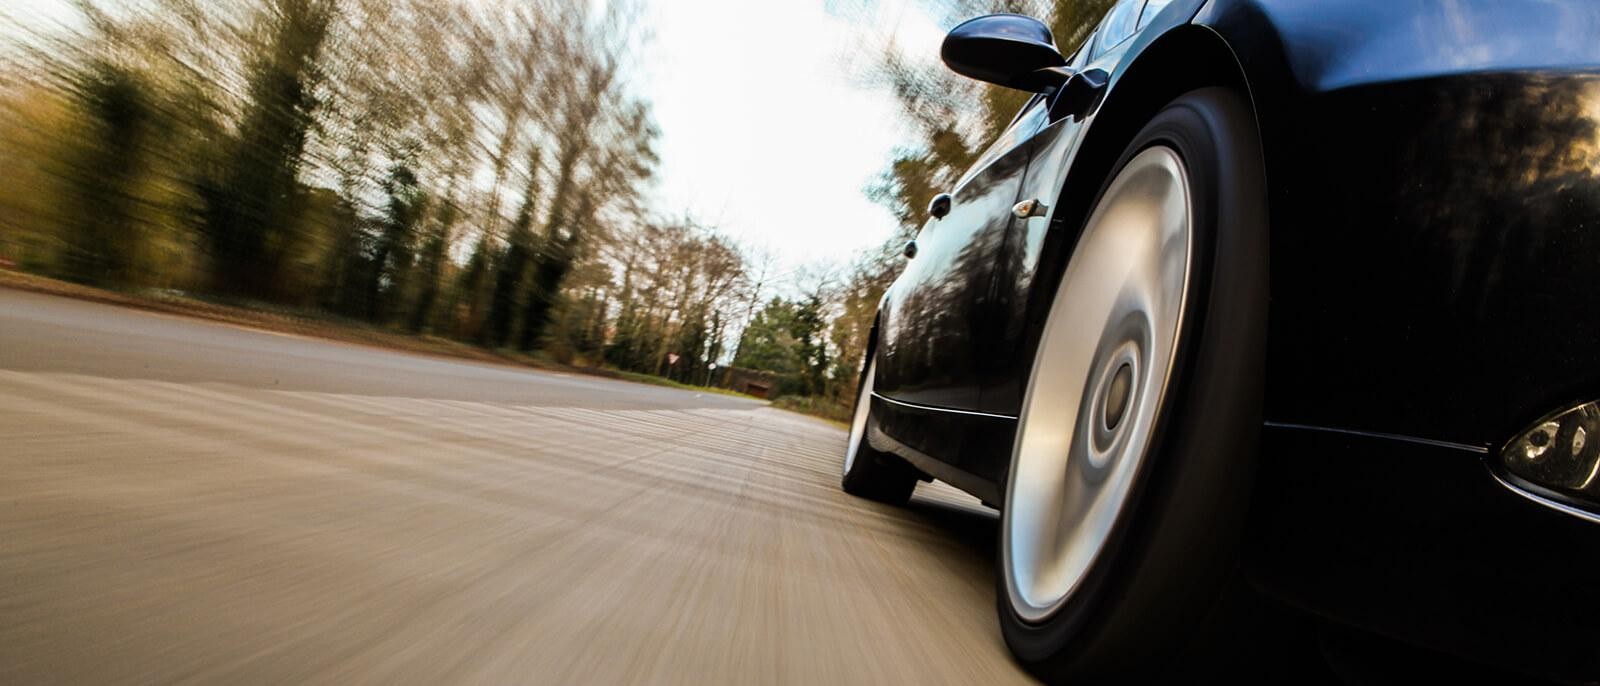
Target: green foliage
(826,408)
(549,270)
(768,342)
(469,294)
(580,318)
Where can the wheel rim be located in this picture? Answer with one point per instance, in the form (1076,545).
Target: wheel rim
(858,422)
(1098,382)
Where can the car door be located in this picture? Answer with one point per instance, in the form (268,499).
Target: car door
(1007,354)
(935,315)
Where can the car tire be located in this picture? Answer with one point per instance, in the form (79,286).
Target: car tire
(868,472)
(1141,567)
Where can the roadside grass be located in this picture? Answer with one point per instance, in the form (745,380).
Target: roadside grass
(824,408)
(654,380)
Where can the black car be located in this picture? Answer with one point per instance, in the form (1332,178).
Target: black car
(1302,293)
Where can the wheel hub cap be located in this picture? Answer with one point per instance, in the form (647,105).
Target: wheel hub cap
(1116,400)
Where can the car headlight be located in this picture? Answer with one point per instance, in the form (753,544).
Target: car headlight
(1560,453)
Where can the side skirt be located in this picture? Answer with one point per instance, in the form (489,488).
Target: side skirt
(968,450)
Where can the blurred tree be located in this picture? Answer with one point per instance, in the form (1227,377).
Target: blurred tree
(360,156)
(512,268)
(251,203)
(469,305)
(431,261)
(36,122)
(581,318)
(550,265)
(393,251)
(102,174)
(676,281)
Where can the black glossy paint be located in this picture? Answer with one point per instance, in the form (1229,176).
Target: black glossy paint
(1434,193)
(937,314)
(950,446)
(1419,543)
(1436,212)
(1025,276)
(1434,173)
(1447,268)
(1009,49)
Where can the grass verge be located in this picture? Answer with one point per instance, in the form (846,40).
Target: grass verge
(831,410)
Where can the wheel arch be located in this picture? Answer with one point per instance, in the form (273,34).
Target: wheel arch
(1177,61)
(1183,59)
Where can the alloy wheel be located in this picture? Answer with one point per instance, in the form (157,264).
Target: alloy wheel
(1098,383)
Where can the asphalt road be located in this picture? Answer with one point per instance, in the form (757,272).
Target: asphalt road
(183,501)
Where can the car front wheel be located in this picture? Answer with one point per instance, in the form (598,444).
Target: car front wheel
(1134,448)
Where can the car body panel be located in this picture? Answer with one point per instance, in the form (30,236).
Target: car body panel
(1424,222)
(1435,203)
(1417,542)
(1021,287)
(1433,176)
(938,311)
(1009,317)
(954,447)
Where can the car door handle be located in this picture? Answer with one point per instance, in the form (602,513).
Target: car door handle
(911,249)
(940,205)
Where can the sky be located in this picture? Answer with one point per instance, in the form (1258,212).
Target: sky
(767,133)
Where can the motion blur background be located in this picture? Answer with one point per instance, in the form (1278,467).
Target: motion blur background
(690,193)
(667,188)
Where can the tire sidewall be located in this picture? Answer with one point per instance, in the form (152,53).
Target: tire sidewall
(1143,591)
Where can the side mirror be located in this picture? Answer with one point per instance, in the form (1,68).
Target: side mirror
(1010,50)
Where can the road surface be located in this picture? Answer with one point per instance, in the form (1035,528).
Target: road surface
(188,501)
